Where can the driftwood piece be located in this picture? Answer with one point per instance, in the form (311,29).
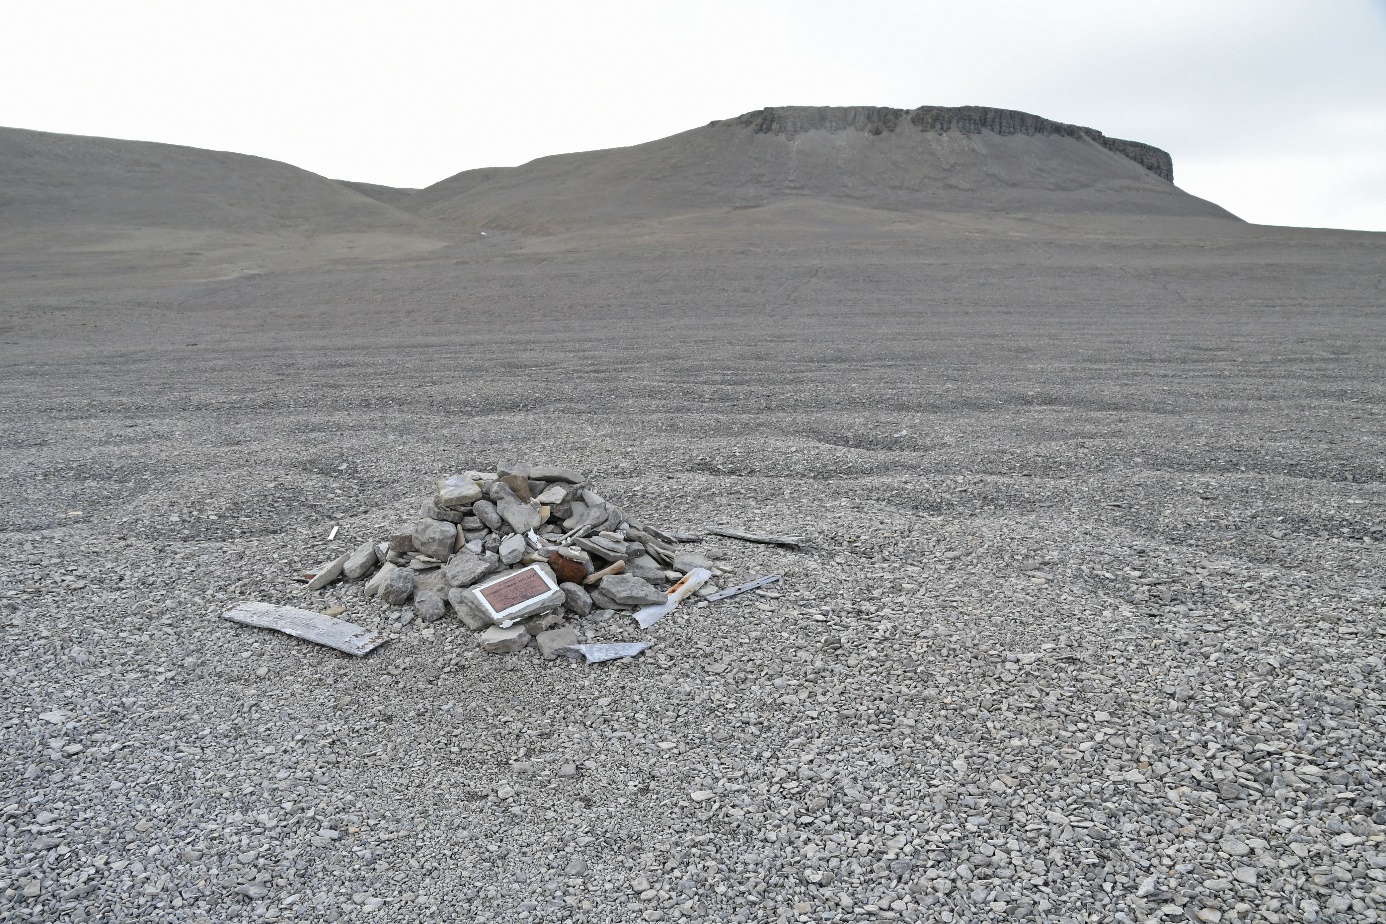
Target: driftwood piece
(792,542)
(314,627)
(653,546)
(595,576)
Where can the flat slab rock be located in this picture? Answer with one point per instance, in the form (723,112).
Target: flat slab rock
(314,627)
(629,590)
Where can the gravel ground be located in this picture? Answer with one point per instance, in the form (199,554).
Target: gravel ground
(1089,626)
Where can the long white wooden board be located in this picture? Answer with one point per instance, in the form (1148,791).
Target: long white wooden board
(314,627)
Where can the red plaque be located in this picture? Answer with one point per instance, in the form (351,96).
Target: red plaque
(514,590)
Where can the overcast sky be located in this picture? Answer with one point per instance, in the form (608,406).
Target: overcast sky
(1274,109)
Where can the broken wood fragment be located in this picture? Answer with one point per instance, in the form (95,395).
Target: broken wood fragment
(614,568)
(313,627)
(792,542)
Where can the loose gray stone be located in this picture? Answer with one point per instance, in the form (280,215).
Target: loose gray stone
(554,473)
(486,512)
(687,561)
(512,548)
(398,587)
(645,568)
(502,641)
(435,538)
(576,598)
(428,605)
(549,642)
(464,606)
(457,491)
(378,579)
(543,622)
(466,568)
(552,495)
(328,573)
(519,516)
(519,484)
(629,590)
(430,510)
(360,562)
(1234,846)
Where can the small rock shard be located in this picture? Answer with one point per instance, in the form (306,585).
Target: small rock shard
(398,587)
(551,641)
(503,640)
(689,561)
(429,606)
(314,627)
(328,573)
(576,598)
(512,548)
(359,562)
(467,611)
(486,512)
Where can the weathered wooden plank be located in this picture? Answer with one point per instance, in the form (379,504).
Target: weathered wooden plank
(313,627)
(792,542)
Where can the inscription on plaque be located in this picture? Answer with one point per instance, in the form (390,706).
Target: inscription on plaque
(514,590)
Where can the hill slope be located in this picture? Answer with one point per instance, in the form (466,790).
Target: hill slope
(98,206)
(969,159)
(54,180)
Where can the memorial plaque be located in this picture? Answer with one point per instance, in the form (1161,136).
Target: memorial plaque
(508,599)
(519,588)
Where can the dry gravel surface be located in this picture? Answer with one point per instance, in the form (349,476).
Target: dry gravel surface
(1088,625)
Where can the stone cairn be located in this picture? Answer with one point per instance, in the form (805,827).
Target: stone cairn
(482,526)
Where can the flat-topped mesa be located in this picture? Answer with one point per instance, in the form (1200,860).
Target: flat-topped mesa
(968,120)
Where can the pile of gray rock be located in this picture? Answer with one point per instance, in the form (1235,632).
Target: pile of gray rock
(592,558)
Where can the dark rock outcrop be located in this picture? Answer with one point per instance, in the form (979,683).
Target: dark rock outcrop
(968,120)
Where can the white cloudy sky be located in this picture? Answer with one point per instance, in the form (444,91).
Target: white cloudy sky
(1275,109)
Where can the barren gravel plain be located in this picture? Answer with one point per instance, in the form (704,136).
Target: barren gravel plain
(1088,627)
